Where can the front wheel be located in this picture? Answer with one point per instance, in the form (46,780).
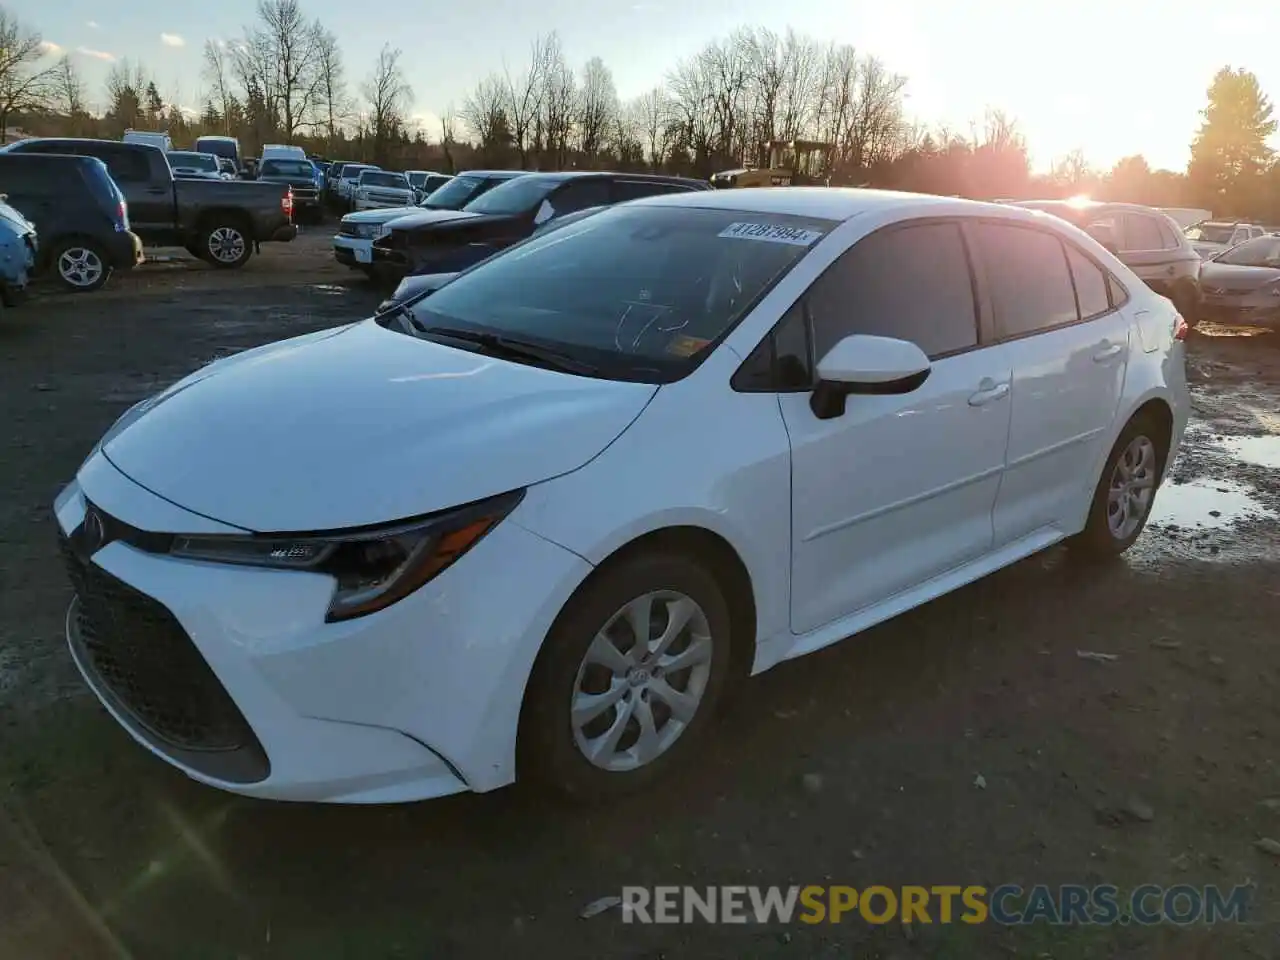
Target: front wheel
(226,245)
(628,679)
(80,266)
(1125,493)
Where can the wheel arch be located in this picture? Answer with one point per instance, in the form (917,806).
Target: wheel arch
(225,216)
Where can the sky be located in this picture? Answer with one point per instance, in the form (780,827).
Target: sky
(1109,77)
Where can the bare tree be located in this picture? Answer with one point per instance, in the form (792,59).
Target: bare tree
(389,97)
(554,122)
(333,103)
(597,108)
(280,57)
(217,73)
(126,87)
(25,83)
(484,111)
(448,137)
(654,125)
(525,93)
(68,89)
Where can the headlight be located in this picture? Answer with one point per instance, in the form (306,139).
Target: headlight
(372,568)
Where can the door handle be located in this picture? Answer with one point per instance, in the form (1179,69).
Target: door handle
(988,390)
(1106,351)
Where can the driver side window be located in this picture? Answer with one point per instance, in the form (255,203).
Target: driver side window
(579,195)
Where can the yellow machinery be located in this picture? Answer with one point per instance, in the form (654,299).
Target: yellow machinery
(791,163)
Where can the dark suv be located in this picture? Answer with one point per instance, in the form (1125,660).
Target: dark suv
(445,241)
(79,212)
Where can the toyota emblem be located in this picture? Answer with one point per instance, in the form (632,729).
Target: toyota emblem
(95,531)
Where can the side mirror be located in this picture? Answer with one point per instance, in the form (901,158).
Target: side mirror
(866,365)
(545,213)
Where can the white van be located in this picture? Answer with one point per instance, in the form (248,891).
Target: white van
(149,137)
(282,151)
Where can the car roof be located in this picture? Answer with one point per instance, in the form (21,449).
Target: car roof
(1086,206)
(555,175)
(492,174)
(830,203)
(23,157)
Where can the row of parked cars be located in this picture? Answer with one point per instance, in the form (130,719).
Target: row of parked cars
(95,203)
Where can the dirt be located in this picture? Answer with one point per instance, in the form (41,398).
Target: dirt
(966,742)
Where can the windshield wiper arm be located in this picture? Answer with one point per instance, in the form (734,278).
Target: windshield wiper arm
(519,350)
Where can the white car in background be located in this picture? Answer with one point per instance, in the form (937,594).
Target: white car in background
(538,523)
(379,189)
(189,163)
(347,182)
(1210,238)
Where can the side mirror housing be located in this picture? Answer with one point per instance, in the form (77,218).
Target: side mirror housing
(866,365)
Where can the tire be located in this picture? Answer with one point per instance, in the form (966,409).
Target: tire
(226,244)
(80,265)
(1101,538)
(552,748)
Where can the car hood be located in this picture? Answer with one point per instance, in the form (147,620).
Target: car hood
(379,216)
(362,425)
(420,218)
(1229,278)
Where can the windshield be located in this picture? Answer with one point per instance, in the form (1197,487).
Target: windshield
(222,148)
(286,168)
(1210,233)
(454,194)
(515,196)
(1258,252)
(417,179)
(375,179)
(352,172)
(194,161)
(638,292)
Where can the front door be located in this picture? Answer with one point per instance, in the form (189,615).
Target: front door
(898,489)
(1068,343)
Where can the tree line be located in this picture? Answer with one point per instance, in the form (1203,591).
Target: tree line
(284,79)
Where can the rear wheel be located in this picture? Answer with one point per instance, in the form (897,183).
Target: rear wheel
(628,680)
(80,265)
(1123,498)
(226,245)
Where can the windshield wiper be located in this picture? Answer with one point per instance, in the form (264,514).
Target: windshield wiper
(493,344)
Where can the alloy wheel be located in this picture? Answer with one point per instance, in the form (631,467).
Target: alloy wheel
(80,267)
(1133,485)
(226,244)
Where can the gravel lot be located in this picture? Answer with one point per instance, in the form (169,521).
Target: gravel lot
(858,765)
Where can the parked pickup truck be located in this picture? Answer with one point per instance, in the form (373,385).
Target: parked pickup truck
(221,221)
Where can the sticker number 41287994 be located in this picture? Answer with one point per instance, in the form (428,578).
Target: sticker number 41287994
(771,233)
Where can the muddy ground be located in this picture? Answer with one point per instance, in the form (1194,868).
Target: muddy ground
(963,743)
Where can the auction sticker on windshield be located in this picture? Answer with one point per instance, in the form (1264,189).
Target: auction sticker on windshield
(771,233)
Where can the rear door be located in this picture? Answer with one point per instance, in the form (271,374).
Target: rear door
(1068,344)
(1149,248)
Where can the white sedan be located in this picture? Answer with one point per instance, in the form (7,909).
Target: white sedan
(538,522)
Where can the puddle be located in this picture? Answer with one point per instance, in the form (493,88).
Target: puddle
(1206,503)
(329,289)
(1259,451)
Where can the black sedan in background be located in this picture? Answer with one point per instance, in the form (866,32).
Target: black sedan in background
(446,241)
(1242,285)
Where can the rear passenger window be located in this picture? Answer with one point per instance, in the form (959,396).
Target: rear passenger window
(1091,284)
(580,194)
(1141,233)
(1168,239)
(912,283)
(1026,269)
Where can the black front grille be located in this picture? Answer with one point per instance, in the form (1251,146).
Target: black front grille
(143,657)
(349,229)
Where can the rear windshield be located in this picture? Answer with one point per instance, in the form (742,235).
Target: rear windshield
(193,161)
(222,148)
(286,168)
(371,178)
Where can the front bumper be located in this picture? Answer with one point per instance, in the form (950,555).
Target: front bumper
(419,700)
(353,251)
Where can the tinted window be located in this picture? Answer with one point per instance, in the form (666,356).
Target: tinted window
(1027,272)
(1091,283)
(639,291)
(372,178)
(286,168)
(911,283)
(635,189)
(454,194)
(25,180)
(521,195)
(221,148)
(781,362)
(580,194)
(1258,252)
(1209,233)
(1141,233)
